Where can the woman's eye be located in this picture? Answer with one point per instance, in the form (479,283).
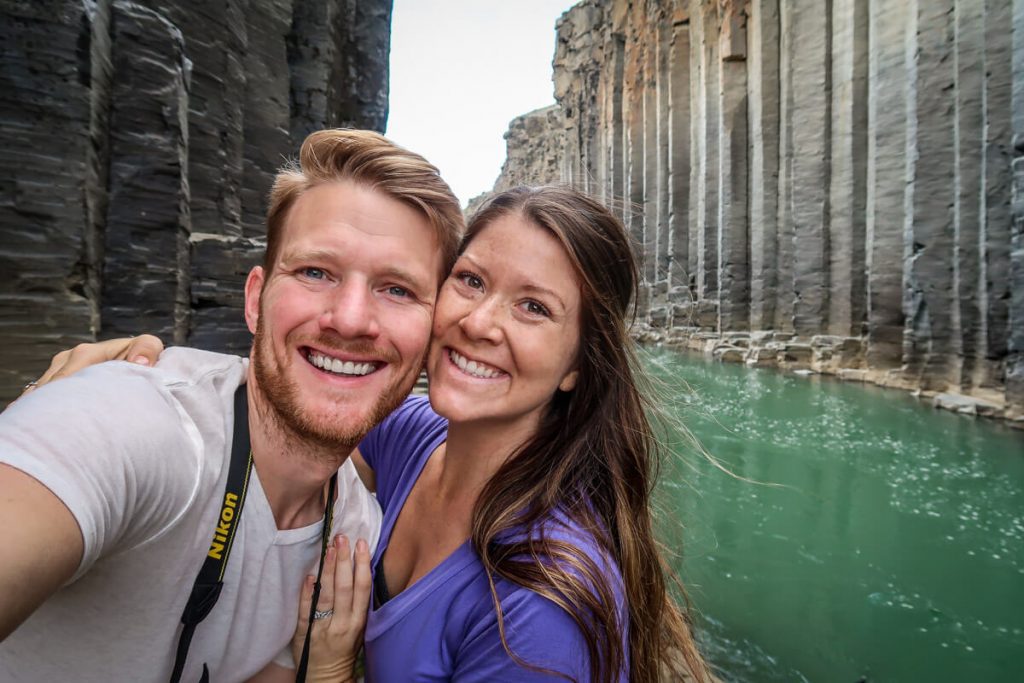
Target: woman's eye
(535,308)
(471,280)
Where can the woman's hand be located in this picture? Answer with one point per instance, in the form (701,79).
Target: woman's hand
(345,596)
(144,350)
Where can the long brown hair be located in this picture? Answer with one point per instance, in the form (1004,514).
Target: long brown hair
(593,460)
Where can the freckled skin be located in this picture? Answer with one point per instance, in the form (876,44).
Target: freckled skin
(511,302)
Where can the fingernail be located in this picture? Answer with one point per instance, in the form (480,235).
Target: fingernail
(340,540)
(141,360)
(362,546)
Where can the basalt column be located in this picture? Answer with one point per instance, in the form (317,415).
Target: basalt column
(889,169)
(679,158)
(145,283)
(808,63)
(928,248)
(140,140)
(997,180)
(848,175)
(763,114)
(733,239)
(1015,359)
(56,57)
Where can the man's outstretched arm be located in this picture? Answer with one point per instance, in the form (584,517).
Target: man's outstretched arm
(42,546)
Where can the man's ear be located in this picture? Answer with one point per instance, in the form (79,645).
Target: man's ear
(253,289)
(568,382)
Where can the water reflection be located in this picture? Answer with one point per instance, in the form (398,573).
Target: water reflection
(891,549)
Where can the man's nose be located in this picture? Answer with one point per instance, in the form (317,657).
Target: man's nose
(351,311)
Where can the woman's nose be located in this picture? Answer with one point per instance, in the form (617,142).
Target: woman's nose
(484,320)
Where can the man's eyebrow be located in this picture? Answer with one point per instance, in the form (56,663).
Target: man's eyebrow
(404,276)
(308,255)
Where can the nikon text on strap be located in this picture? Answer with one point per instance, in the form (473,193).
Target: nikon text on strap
(210,580)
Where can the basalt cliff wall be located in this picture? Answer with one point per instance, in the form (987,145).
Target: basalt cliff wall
(140,140)
(828,186)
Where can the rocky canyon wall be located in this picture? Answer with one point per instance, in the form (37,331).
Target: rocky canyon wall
(831,186)
(140,140)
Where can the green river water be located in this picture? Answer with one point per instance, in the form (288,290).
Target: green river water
(889,549)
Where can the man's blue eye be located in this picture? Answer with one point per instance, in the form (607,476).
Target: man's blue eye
(314,273)
(395,290)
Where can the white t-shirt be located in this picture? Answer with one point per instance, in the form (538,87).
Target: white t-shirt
(140,457)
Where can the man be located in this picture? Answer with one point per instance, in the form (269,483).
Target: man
(112,482)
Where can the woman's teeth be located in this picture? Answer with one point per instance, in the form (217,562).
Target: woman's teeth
(472,367)
(338,366)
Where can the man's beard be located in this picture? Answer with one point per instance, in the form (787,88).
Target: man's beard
(332,436)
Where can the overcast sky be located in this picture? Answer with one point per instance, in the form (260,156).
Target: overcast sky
(460,71)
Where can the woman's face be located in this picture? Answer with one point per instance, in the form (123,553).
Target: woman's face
(506,327)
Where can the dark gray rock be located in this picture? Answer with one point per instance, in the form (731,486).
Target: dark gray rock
(140,141)
(47,179)
(145,274)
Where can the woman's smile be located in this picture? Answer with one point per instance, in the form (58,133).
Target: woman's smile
(474,368)
(506,326)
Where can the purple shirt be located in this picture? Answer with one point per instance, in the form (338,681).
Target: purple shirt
(444,626)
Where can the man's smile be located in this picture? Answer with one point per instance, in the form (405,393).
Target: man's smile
(337,366)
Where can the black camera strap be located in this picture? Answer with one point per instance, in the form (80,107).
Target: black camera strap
(210,580)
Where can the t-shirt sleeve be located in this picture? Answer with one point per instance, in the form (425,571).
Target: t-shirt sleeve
(114,447)
(538,631)
(390,446)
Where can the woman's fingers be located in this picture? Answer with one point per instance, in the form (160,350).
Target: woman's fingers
(326,601)
(362,580)
(144,350)
(56,363)
(342,580)
(345,591)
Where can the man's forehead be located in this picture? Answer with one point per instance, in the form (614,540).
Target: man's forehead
(365,209)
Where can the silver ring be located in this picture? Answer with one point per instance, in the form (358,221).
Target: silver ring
(318,615)
(30,385)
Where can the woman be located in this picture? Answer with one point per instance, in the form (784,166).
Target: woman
(517,539)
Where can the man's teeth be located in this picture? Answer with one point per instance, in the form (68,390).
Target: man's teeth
(338,366)
(472,367)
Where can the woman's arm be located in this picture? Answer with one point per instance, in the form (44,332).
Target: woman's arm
(144,350)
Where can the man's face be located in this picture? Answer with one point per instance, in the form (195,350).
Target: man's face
(343,318)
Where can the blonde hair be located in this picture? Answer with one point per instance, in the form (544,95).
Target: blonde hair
(370,159)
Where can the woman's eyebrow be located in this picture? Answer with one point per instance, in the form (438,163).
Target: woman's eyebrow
(476,264)
(544,291)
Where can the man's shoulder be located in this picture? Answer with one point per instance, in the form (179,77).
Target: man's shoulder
(191,379)
(182,366)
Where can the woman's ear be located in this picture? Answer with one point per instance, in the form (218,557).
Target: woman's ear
(568,382)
